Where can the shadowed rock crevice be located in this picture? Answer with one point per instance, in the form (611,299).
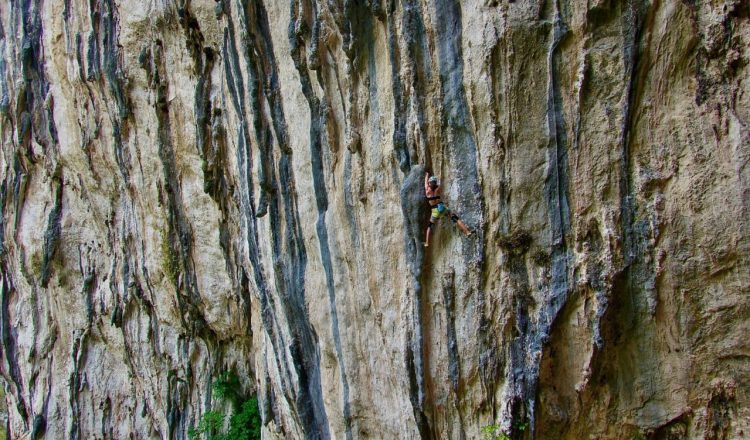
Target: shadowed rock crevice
(420,75)
(457,133)
(34,108)
(635,231)
(449,292)
(11,367)
(399,101)
(415,211)
(558,211)
(52,234)
(103,56)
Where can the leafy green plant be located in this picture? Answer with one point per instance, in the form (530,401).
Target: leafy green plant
(522,426)
(244,423)
(210,424)
(493,432)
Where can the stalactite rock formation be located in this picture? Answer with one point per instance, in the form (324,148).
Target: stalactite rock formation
(194,186)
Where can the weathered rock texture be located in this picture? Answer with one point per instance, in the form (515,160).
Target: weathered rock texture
(190,186)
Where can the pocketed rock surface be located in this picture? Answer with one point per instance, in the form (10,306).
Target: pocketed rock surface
(192,186)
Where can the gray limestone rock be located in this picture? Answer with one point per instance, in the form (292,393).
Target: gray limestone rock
(191,187)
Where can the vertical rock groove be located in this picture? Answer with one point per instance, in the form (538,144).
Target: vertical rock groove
(399,104)
(636,234)
(179,237)
(414,211)
(10,348)
(556,194)
(457,130)
(52,234)
(299,51)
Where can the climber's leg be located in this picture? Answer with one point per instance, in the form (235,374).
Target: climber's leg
(429,227)
(461,225)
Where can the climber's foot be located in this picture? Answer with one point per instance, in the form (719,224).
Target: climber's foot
(426,244)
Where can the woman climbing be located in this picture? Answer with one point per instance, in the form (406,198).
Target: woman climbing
(432,191)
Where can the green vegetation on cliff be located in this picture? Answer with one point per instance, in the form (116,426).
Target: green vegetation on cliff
(244,423)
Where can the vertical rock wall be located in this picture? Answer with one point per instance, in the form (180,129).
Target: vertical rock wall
(195,186)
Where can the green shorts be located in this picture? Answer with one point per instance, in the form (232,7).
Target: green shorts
(438,211)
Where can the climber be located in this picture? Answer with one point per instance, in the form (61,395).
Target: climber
(432,191)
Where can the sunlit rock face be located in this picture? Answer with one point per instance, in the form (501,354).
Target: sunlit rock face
(195,186)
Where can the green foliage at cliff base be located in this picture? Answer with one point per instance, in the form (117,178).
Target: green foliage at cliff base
(244,423)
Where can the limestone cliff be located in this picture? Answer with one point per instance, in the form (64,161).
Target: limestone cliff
(194,186)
